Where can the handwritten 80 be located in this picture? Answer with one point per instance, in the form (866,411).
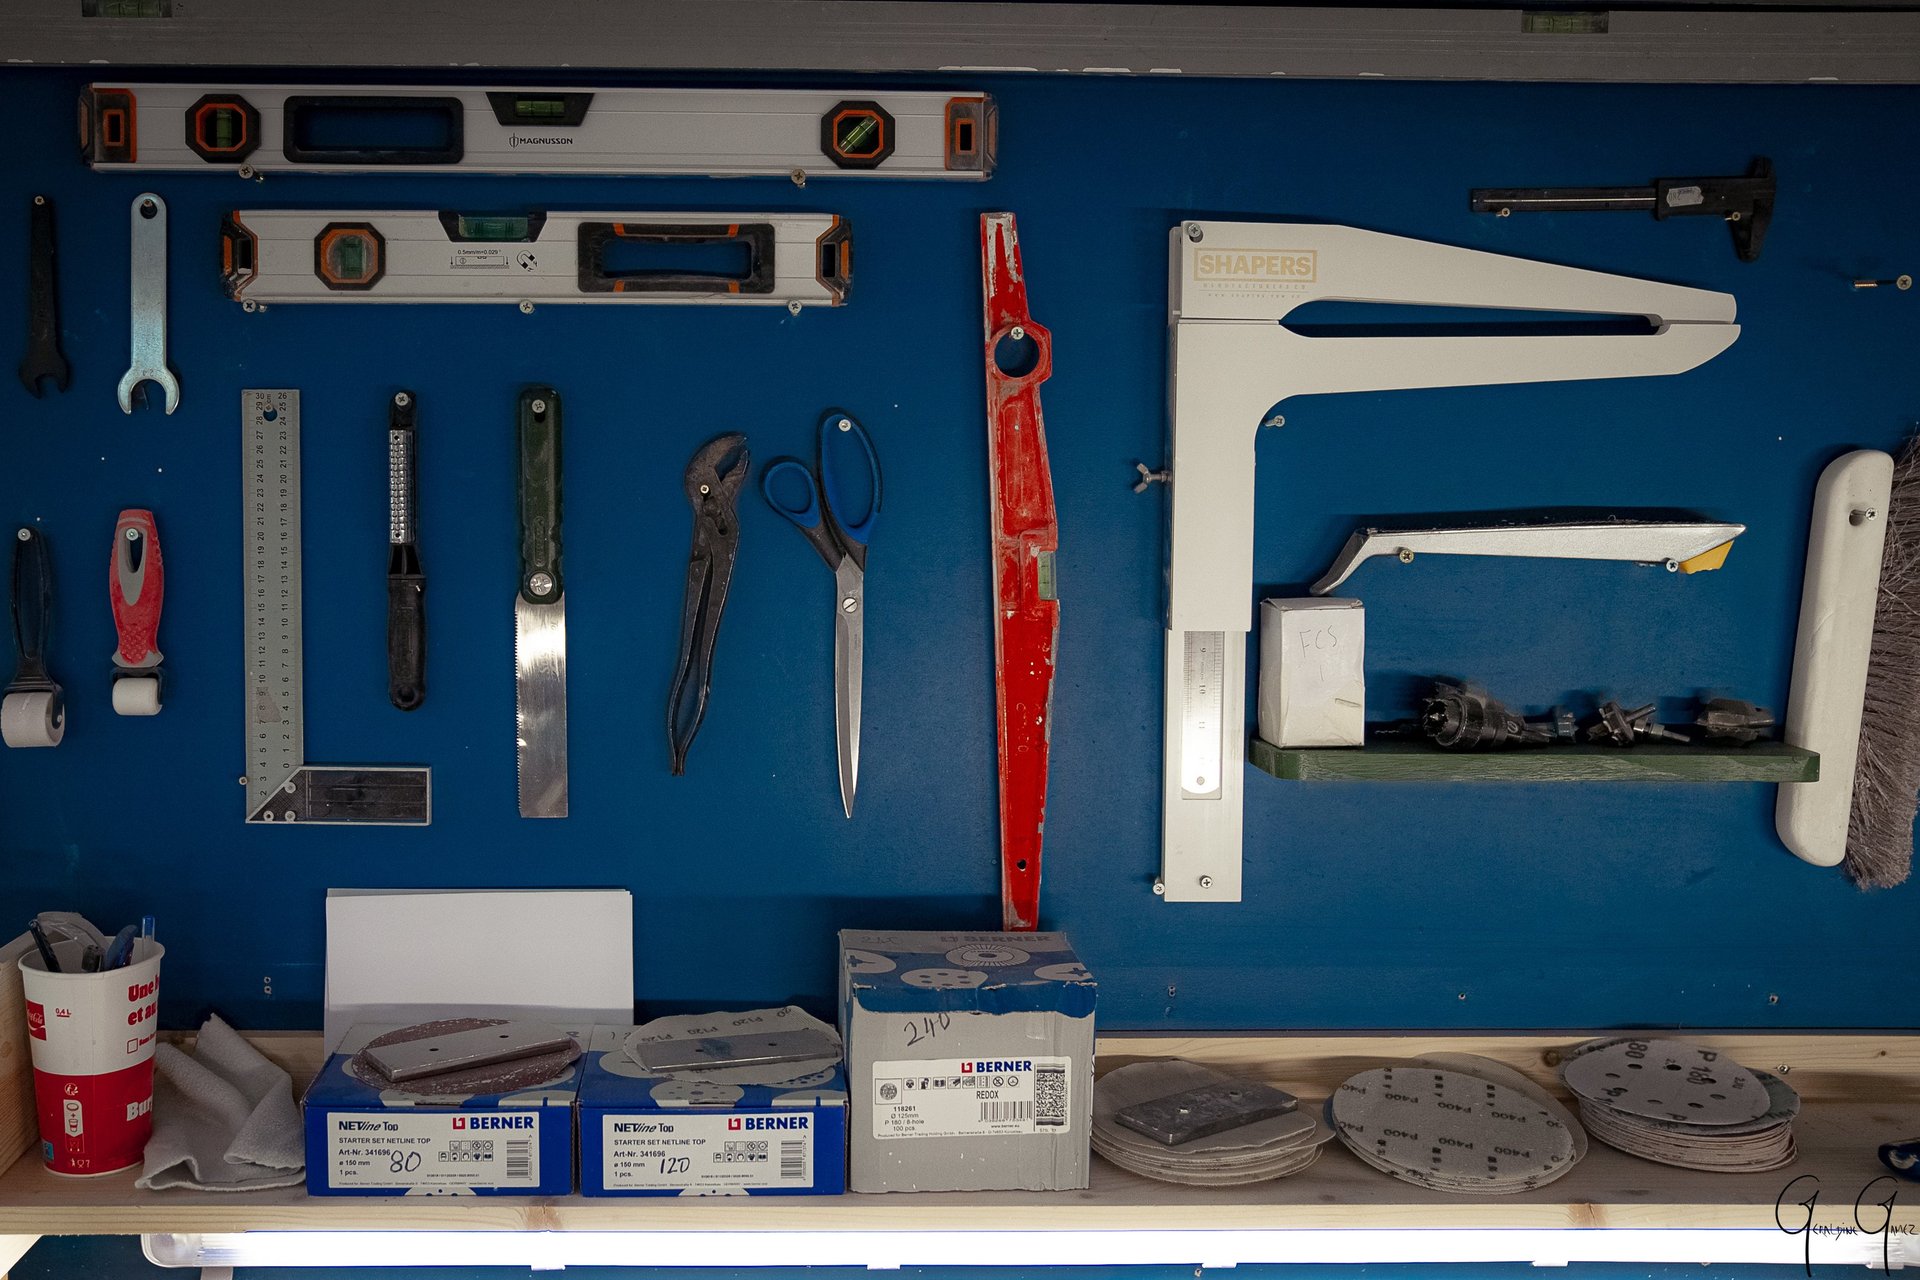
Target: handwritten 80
(1807,1196)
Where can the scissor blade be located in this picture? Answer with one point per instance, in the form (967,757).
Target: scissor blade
(849,643)
(540,662)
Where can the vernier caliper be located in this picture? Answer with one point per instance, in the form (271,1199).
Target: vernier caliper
(1232,361)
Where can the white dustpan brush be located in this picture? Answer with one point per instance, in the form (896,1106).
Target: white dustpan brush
(1856,672)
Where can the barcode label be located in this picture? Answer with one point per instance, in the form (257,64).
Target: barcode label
(1050,1098)
(520,1161)
(971,1097)
(793,1161)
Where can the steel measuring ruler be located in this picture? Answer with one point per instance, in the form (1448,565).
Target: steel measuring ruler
(1203,713)
(281,786)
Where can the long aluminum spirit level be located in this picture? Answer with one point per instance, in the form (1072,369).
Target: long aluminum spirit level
(1233,358)
(372,129)
(311,255)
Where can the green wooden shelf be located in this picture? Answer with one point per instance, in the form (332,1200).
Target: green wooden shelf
(1648,762)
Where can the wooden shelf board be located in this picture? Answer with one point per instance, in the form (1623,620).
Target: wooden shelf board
(1648,762)
(1837,1144)
(1861,1090)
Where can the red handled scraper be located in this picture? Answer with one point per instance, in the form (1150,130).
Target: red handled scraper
(136,583)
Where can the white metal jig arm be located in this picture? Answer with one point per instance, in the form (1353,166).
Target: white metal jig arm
(1232,360)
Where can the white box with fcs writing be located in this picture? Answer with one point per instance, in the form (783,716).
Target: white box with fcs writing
(969,1061)
(1313,679)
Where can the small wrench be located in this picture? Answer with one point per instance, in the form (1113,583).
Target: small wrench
(149,305)
(44,360)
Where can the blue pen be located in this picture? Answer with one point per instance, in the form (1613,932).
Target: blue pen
(146,926)
(120,950)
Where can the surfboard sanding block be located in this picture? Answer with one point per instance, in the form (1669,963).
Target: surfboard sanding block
(744,1048)
(490,1077)
(1205,1111)
(403,1060)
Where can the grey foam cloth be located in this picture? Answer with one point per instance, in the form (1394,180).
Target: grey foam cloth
(224,1119)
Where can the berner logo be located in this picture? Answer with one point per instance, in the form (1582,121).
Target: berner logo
(1257,266)
(538,140)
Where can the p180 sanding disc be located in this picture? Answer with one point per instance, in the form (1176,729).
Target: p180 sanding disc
(1703,1137)
(1666,1080)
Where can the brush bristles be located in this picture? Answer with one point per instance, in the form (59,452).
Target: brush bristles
(1887,781)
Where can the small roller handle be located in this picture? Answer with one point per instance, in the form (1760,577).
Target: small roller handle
(32,604)
(540,581)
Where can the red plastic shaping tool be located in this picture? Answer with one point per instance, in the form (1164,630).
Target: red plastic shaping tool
(1026,621)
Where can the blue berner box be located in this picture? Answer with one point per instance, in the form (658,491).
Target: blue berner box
(647,1135)
(364,1141)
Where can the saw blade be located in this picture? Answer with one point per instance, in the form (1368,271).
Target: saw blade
(540,686)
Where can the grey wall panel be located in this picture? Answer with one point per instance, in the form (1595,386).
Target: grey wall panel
(1853,45)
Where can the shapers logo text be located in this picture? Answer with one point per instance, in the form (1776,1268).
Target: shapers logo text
(1256,266)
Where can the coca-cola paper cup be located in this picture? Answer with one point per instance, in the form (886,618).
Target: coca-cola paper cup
(92,1038)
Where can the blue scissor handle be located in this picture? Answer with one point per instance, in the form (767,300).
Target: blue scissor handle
(806,517)
(835,423)
(810,519)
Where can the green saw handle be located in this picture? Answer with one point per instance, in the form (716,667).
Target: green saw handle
(540,495)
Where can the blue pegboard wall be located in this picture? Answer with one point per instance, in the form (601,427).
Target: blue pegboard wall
(1366,905)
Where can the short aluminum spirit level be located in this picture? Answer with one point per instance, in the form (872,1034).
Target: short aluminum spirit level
(375,129)
(1234,284)
(310,255)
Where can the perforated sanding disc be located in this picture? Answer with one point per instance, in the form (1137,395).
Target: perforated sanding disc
(1484,1068)
(499,1077)
(1449,1130)
(1666,1080)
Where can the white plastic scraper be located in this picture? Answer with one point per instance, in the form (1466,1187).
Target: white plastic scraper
(1233,360)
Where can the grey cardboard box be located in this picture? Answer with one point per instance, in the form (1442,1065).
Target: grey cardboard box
(969,1061)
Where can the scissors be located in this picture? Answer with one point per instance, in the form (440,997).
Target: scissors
(844,547)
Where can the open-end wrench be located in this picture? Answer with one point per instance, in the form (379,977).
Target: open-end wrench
(43,360)
(149,304)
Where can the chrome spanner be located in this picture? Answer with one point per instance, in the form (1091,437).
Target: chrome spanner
(149,304)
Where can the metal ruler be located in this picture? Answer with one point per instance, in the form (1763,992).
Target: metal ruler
(425,255)
(797,133)
(1202,713)
(281,785)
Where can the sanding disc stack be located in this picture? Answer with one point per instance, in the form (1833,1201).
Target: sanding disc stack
(1177,1121)
(1681,1104)
(1457,1123)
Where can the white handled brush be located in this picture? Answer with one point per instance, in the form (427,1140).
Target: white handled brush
(1856,672)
